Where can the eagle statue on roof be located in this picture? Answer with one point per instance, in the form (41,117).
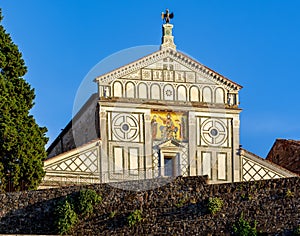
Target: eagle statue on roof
(167,16)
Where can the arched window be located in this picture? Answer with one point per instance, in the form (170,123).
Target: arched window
(118,89)
(155,92)
(168,92)
(194,94)
(181,93)
(130,90)
(207,95)
(220,95)
(143,91)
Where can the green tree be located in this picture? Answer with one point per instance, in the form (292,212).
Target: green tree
(22,141)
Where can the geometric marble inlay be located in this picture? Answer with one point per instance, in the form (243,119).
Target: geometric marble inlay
(125,127)
(214,132)
(253,171)
(85,162)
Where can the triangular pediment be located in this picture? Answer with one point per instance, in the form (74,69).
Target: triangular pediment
(169,66)
(170,144)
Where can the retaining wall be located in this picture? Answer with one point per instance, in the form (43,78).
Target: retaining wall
(176,208)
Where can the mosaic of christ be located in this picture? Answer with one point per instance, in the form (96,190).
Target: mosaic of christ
(169,125)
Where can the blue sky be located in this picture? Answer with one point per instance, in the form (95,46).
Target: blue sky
(254,43)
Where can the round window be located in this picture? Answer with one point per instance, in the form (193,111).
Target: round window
(214,132)
(125,127)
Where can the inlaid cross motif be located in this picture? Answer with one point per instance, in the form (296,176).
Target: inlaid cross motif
(168,64)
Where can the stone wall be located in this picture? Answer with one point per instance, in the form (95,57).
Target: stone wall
(176,208)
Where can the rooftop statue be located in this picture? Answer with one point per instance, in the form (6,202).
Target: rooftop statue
(167,16)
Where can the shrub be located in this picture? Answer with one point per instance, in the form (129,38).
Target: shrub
(246,196)
(297,231)
(67,217)
(243,228)
(112,214)
(87,199)
(67,210)
(289,193)
(214,205)
(181,201)
(134,217)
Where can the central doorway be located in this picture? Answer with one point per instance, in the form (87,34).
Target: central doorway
(169,164)
(169,158)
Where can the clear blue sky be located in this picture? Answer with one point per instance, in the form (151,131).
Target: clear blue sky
(254,43)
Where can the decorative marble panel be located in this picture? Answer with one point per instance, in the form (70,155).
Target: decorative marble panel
(133,160)
(83,162)
(184,159)
(126,161)
(168,75)
(157,75)
(213,131)
(222,166)
(118,160)
(179,76)
(190,77)
(206,161)
(146,74)
(134,75)
(125,127)
(253,171)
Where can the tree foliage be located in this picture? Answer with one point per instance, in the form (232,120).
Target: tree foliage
(22,141)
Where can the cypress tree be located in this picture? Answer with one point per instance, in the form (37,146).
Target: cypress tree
(22,141)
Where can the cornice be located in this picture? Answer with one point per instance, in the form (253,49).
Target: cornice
(174,105)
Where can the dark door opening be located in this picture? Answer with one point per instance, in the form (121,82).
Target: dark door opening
(169,166)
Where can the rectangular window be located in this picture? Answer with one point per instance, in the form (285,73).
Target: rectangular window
(222,160)
(133,161)
(118,166)
(206,164)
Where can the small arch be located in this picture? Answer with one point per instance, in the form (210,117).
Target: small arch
(207,95)
(118,89)
(194,94)
(181,93)
(130,90)
(142,91)
(168,92)
(155,92)
(220,95)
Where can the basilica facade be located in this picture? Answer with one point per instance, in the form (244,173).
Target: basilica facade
(162,115)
